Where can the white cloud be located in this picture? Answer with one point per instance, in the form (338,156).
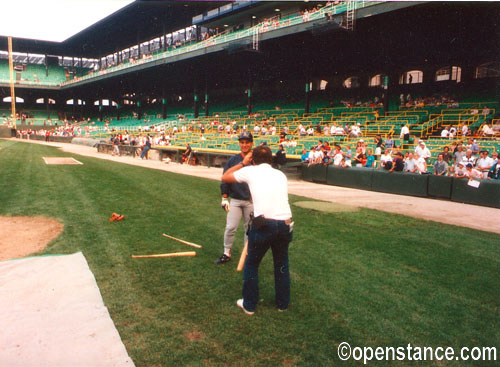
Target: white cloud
(53,20)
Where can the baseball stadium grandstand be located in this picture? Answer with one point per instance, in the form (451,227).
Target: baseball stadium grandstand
(351,90)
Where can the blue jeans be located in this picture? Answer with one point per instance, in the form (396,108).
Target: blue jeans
(145,151)
(276,235)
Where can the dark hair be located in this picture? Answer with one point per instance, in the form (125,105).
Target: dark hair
(262,154)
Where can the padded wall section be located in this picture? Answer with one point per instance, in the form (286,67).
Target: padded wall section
(318,173)
(306,173)
(440,186)
(399,183)
(5,132)
(357,178)
(487,194)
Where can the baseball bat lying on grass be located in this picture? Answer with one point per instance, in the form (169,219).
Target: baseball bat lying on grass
(182,241)
(173,254)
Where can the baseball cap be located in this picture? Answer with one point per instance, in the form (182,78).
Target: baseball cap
(460,163)
(469,165)
(245,135)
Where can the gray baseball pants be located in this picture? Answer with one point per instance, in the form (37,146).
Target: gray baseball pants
(237,209)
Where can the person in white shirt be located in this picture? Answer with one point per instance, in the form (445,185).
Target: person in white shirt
(487,131)
(472,173)
(465,129)
(445,132)
(271,226)
(460,170)
(405,132)
(385,158)
(453,132)
(422,151)
(410,163)
(421,165)
(484,163)
(333,129)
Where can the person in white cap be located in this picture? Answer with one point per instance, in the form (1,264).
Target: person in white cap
(460,170)
(422,151)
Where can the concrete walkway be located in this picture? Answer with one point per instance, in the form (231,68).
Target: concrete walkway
(465,215)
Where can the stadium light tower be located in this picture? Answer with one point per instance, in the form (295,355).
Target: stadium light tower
(11,74)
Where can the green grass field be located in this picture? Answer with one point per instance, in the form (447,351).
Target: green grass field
(367,278)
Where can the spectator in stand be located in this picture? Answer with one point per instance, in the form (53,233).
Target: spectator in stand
(494,156)
(389,142)
(484,163)
(355,130)
(405,132)
(474,147)
(370,159)
(378,152)
(337,155)
(459,155)
(447,157)
(421,165)
(460,170)
(302,130)
(280,157)
(494,172)
(386,160)
(440,166)
(378,140)
(453,132)
(327,159)
(397,163)
(422,151)
(469,158)
(348,155)
(410,163)
(464,129)
(256,129)
(310,131)
(345,164)
(487,131)
(310,155)
(304,158)
(445,133)
(472,173)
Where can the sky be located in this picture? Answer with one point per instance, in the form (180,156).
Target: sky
(53,20)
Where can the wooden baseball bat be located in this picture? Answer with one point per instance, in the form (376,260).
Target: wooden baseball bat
(173,254)
(182,241)
(243,257)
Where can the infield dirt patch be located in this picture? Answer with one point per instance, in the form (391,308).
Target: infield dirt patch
(60,160)
(22,236)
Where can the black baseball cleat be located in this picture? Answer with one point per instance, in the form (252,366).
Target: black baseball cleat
(223,259)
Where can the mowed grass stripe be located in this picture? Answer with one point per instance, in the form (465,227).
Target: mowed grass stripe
(369,278)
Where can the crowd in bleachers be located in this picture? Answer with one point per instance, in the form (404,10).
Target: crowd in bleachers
(463,160)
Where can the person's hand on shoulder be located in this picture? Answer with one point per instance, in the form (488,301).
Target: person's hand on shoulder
(247,160)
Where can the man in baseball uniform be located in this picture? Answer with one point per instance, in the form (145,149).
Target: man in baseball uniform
(240,204)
